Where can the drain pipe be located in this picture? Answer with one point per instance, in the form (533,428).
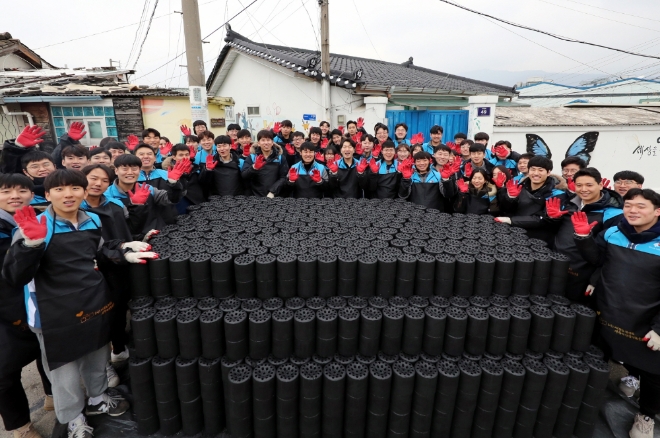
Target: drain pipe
(6,112)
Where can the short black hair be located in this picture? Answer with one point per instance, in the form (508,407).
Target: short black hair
(128,160)
(443,147)
(629,174)
(167,140)
(526,156)
(477,147)
(387,144)
(647,194)
(286,123)
(105,140)
(264,133)
(111,174)
(206,134)
(323,122)
(437,128)
(369,137)
(76,150)
(198,123)
(336,132)
(298,134)
(115,145)
(244,133)
(330,148)
(143,145)
(540,161)
(315,130)
(469,142)
(192,138)
(589,171)
(505,143)
(222,139)
(34,156)
(403,125)
(308,145)
(573,160)
(381,126)
(234,126)
(351,122)
(65,177)
(481,136)
(347,140)
(97,151)
(179,147)
(9,180)
(460,135)
(148,131)
(422,155)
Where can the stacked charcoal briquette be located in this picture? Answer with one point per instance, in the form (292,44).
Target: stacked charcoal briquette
(357,318)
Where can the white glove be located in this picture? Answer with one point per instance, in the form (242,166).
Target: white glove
(504,220)
(139,257)
(136,246)
(590,290)
(150,234)
(653,340)
(270,195)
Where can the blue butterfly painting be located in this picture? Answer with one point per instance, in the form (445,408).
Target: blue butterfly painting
(582,147)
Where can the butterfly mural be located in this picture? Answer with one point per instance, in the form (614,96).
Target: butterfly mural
(582,147)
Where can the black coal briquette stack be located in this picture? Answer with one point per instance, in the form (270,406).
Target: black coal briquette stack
(212,333)
(287,400)
(371,320)
(304,332)
(562,330)
(512,385)
(144,398)
(378,400)
(477,330)
(466,398)
(348,328)
(552,395)
(167,338)
(188,388)
(347,275)
(355,403)
(222,275)
(167,401)
(592,398)
(264,418)
(311,388)
(434,330)
(536,374)
(585,320)
(540,329)
(144,335)
(213,402)
(286,275)
(266,276)
(180,281)
(237,335)
(326,332)
(200,274)
(492,375)
(519,324)
(239,401)
(260,334)
(327,275)
(445,397)
(426,381)
(455,330)
(159,276)
(334,391)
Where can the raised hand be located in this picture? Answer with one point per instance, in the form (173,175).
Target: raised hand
(140,193)
(165,149)
(234,146)
(360,122)
(406,169)
(553,208)
(30,136)
(500,151)
(448,169)
(259,162)
(513,188)
(341,128)
(606,183)
(276,127)
(374,166)
(210,164)
(293,175)
(362,166)
(77,131)
(246,149)
(570,184)
(468,169)
(131,142)
(319,157)
(500,180)
(332,165)
(376,151)
(193,151)
(324,143)
(290,149)
(176,172)
(184,130)
(462,186)
(315,176)
(33,230)
(581,223)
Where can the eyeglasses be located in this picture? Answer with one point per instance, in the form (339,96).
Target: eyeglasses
(625,182)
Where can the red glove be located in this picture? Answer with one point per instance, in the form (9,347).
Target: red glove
(93,147)
(290,149)
(500,180)
(259,162)
(178,170)
(606,183)
(468,169)
(276,127)
(462,186)
(332,165)
(362,166)
(513,188)
(210,164)
(358,148)
(193,151)
(571,185)
(34,230)
(315,175)
(581,223)
(31,136)
(234,146)
(246,149)
(184,130)
(360,122)
(405,169)
(374,166)
(376,151)
(324,143)
(77,131)
(501,152)
(165,149)
(293,175)
(140,194)
(319,157)
(131,142)
(341,128)
(448,170)
(553,208)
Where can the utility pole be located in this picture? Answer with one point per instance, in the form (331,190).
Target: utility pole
(195,61)
(325,61)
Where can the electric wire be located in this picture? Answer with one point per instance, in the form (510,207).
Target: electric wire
(137,31)
(365,30)
(146,34)
(616,12)
(318,40)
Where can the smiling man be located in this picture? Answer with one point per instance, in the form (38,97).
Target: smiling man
(75,157)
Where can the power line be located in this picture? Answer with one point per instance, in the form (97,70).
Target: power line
(137,31)
(365,30)
(559,37)
(611,10)
(318,40)
(146,34)
(175,50)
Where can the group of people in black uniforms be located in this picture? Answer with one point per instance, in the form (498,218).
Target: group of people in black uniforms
(72,220)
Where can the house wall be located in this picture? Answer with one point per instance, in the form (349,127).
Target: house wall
(281,95)
(167,114)
(10,61)
(128,114)
(618,147)
(41,117)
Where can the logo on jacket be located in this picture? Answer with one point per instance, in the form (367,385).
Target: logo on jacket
(79,314)
(17,323)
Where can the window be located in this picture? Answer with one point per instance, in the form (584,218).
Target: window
(253,111)
(99,121)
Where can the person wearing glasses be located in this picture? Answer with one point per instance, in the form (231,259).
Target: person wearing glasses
(626,180)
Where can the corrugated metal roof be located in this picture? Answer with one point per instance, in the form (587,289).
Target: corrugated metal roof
(576,116)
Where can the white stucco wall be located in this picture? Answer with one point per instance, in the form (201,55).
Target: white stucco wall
(618,148)
(281,94)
